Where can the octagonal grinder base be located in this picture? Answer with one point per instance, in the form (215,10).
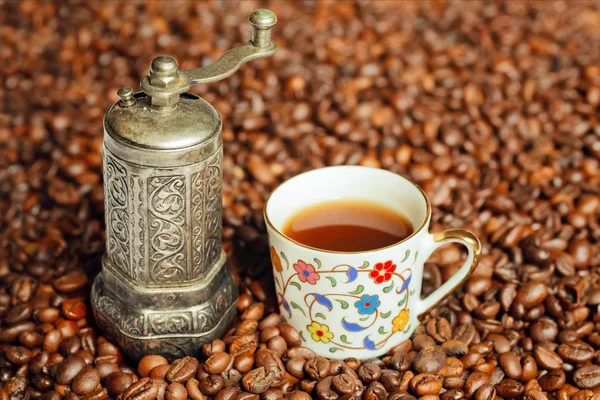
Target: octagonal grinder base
(172,322)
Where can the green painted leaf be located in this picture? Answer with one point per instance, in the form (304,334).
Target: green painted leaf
(334,349)
(381,330)
(320,315)
(344,339)
(407,328)
(297,307)
(343,303)
(287,262)
(406,256)
(278,283)
(365,265)
(366,317)
(302,336)
(389,288)
(358,290)
(333,281)
(403,300)
(416,255)
(412,292)
(318,263)
(386,315)
(297,285)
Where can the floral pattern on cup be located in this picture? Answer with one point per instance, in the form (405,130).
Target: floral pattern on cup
(368,310)
(319,332)
(306,272)
(367,304)
(383,272)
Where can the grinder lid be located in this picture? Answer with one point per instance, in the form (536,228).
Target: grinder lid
(134,121)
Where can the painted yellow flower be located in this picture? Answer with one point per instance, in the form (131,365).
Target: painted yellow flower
(320,332)
(400,321)
(276,260)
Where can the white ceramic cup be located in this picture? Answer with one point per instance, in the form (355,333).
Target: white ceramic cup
(357,304)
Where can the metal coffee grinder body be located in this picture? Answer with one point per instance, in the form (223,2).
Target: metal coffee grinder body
(164,286)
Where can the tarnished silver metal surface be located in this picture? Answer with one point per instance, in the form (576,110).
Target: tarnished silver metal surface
(164,286)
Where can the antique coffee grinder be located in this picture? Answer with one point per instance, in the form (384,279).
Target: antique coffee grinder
(164,287)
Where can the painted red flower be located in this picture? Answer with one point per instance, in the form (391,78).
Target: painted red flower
(383,272)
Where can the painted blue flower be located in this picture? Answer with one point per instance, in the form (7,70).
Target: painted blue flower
(367,304)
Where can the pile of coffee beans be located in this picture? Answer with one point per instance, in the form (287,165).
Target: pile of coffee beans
(491,107)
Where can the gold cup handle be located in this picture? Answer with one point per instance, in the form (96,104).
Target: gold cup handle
(439,239)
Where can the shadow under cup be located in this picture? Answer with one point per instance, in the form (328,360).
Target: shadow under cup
(372,185)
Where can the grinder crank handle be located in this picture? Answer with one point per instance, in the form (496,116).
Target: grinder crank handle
(165,81)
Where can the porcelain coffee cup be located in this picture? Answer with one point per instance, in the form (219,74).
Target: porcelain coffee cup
(357,304)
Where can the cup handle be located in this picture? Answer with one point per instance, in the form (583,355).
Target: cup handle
(438,239)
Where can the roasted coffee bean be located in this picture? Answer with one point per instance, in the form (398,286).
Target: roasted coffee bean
(289,334)
(455,347)
(19,313)
(465,333)
(210,385)
(117,382)
(390,380)
(430,359)
(176,391)
(70,346)
(70,282)
(511,364)
(182,369)
(324,391)
(10,333)
(419,341)
(587,377)
(217,363)
(453,394)
(316,368)
(439,329)
(231,377)
(509,389)
(98,394)
(144,389)
(404,396)
(547,358)
(369,373)
(295,366)
(426,384)
(258,380)
(85,381)
(68,369)
(159,372)
(402,361)
(485,392)
(529,369)
(553,380)
(576,352)
(243,362)
(475,380)
(193,389)
(375,391)
(147,363)
(106,368)
(85,355)
(343,384)
(18,355)
(299,395)
(277,345)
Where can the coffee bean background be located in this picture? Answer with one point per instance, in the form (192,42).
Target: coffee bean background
(491,107)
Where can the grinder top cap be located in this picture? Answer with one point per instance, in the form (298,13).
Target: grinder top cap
(164,116)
